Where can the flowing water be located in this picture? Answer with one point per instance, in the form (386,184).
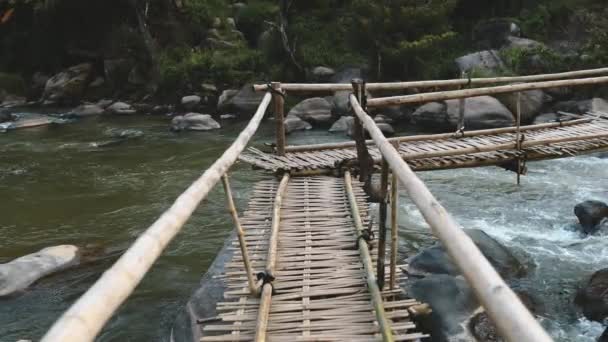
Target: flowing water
(57,186)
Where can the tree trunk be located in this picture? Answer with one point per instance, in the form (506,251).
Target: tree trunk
(151,62)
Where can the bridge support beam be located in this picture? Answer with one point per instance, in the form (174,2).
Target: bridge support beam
(279,112)
(365,161)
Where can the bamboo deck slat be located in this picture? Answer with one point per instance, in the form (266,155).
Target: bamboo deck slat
(320,287)
(450,152)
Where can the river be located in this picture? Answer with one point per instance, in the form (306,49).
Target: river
(58,187)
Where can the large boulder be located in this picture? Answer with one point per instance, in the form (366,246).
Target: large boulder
(316,110)
(591,215)
(194,122)
(20,273)
(487,61)
(120,108)
(322,74)
(341,103)
(480,112)
(532,102)
(592,298)
(344,124)
(69,85)
(190,102)
(245,101)
(87,110)
(435,260)
(293,123)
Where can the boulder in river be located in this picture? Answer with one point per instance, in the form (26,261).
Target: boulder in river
(344,124)
(191,101)
(480,112)
(20,273)
(322,74)
(487,61)
(435,260)
(341,104)
(69,85)
(5,116)
(591,215)
(87,110)
(120,108)
(28,120)
(532,102)
(244,101)
(194,122)
(293,123)
(316,111)
(592,298)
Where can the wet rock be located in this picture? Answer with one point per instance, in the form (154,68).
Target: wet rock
(12,101)
(5,116)
(322,74)
(190,102)
(435,260)
(592,298)
(482,328)
(294,123)
(480,112)
(20,273)
(523,43)
(341,104)
(386,128)
(316,110)
(120,108)
(487,61)
(104,103)
(590,215)
(604,336)
(545,118)
(87,110)
(244,101)
(194,122)
(69,85)
(344,124)
(227,116)
(209,88)
(399,114)
(28,120)
(532,102)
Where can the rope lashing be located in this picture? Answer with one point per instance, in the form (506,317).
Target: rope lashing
(274,91)
(367,235)
(266,279)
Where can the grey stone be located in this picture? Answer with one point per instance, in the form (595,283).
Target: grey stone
(209,88)
(545,118)
(194,122)
(386,128)
(294,123)
(244,101)
(120,108)
(316,110)
(322,74)
(590,215)
(20,273)
(69,85)
(191,101)
(592,298)
(227,116)
(488,61)
(344,124)
(532,101)
(87,110)
(523,43)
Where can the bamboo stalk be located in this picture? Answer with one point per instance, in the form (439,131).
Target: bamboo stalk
(394,231)
(85,318)
(279,112)
(240,234)
(308,87)
(271,261)
(518,137)
(383,322)
(513,320)
(457,94)
(318,147)
(382,228)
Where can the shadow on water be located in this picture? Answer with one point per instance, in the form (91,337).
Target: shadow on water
(58,187)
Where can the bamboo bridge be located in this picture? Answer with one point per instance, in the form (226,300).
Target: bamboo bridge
(308,262)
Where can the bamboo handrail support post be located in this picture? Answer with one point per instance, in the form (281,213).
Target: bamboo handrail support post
(279,112)
(366,258)
(513,320)
(518,138)
(366,163)
(271,260)
(240,234)
(85,318)
(380,263)
(394,198)
(461,108)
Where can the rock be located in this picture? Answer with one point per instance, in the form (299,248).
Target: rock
(482,328)
(28,120)
(245,101)
(523,43)
(532,102)
(480,112)
(545,118)
(590,215)
(486,61)
(604,337)
(161,109)
(190,102)
(226,95)
(344,124)
(194,122)
(451,300)
(322,74)
(386,128)
(143,108)
(20,273)
(5,116)
(315,110)
(120,108)
(69,85)
(382,119)
(294,123)
(231,23)
(341,104)
(217,22)
(592,298)
(209,88)
(599,105)
(12,101)
(227,116)
(87,110)
(396,113)
(38,83)
(104,103)
(435,260)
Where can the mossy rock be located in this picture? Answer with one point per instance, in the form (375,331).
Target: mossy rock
(12,83)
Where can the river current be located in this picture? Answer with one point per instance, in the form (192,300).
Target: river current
(57,186)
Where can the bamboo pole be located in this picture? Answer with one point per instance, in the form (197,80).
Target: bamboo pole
(85,318)
(318,147)
(240,234)
(518,138)
(383,322)
(380,263)
(513,320)
(309,87)
(457,94)
(271,261)
(279,112)
(394,231)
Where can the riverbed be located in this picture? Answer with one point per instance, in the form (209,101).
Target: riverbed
(59,186)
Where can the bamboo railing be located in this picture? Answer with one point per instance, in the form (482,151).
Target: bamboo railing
(85,318)
(513,320)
